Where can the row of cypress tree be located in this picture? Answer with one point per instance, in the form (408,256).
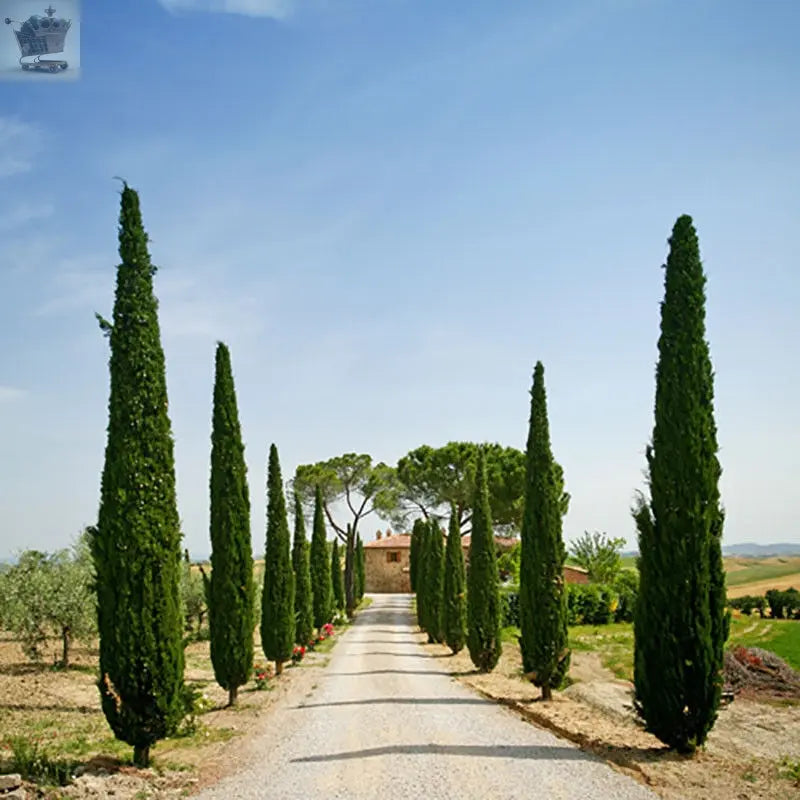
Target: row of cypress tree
(680,622)
(136,544)
(447,609)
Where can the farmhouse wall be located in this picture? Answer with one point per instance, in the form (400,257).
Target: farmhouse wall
(384,573)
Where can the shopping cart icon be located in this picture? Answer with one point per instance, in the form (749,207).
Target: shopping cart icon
(40,36)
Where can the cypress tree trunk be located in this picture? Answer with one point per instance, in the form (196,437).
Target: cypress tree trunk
(303,600)
(455,596)
(360,569)
(277,610)
(136,546)
(680,624)
(230,589)
(350,573)
(543,612)
(483,581)
(322,586)
(336,577)
(434,574)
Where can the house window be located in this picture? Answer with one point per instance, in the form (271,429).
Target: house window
(393,558)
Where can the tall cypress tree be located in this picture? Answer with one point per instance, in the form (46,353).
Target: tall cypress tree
(422,582)
(337,579)
(542,599)
(360,569)
(413,555)
(680,625)
(322,586)
(483,581)
(303,598)
(434,576)
(136,547)
(277,609)
(455,588)
(231,616)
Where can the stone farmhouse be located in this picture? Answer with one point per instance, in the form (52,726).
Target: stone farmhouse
(387,569)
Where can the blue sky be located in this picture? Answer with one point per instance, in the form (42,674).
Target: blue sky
(390,209)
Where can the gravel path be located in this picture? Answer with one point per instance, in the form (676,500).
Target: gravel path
(387,721)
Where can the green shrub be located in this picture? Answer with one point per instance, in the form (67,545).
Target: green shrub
(509,607)
(33,763)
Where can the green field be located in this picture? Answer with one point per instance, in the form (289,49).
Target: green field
(755,570)
(614,642)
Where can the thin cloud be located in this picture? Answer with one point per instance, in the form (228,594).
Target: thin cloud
(10,393)
(20,142)
(276,9)
(22,215)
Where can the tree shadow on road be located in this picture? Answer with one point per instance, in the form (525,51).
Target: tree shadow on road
(474,751)
(412,701)
(393,672)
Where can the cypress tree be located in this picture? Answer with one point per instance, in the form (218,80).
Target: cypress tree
(337,579)
(680,625)
(136,548)
(455,586)
(303,599)
(423,532)
(360,569)
(322,587)
(413,555)
(542,598)
(277,599)
(483,581)
(231,616)
(434,576)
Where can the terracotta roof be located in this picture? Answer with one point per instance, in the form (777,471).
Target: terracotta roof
(397,541)
(401,541)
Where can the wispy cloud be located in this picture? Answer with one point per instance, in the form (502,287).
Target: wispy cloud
(23,214)
(277,9)
(10,393)
(20,142)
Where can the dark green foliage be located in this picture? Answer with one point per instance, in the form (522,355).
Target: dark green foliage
(782,605)
(337,579)
(543,608)
(417,566)
(277,600)
(483,583)
(413,555)
(455,589)
(436,478)
(509,607)
(231,591)
(303,598)
(360,569)
(434,583)
(680,623)
(322,587)
(136,548)
(422,573)
(626,585)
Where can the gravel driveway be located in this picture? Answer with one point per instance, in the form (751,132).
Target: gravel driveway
(388,721)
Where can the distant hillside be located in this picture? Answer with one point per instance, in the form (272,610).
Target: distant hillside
(747,550)
(753,550)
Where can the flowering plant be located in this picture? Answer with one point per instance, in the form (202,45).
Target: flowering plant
(298,653)
(260,676)
(327,630)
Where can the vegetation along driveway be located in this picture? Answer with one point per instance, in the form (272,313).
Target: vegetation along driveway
(387,721)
